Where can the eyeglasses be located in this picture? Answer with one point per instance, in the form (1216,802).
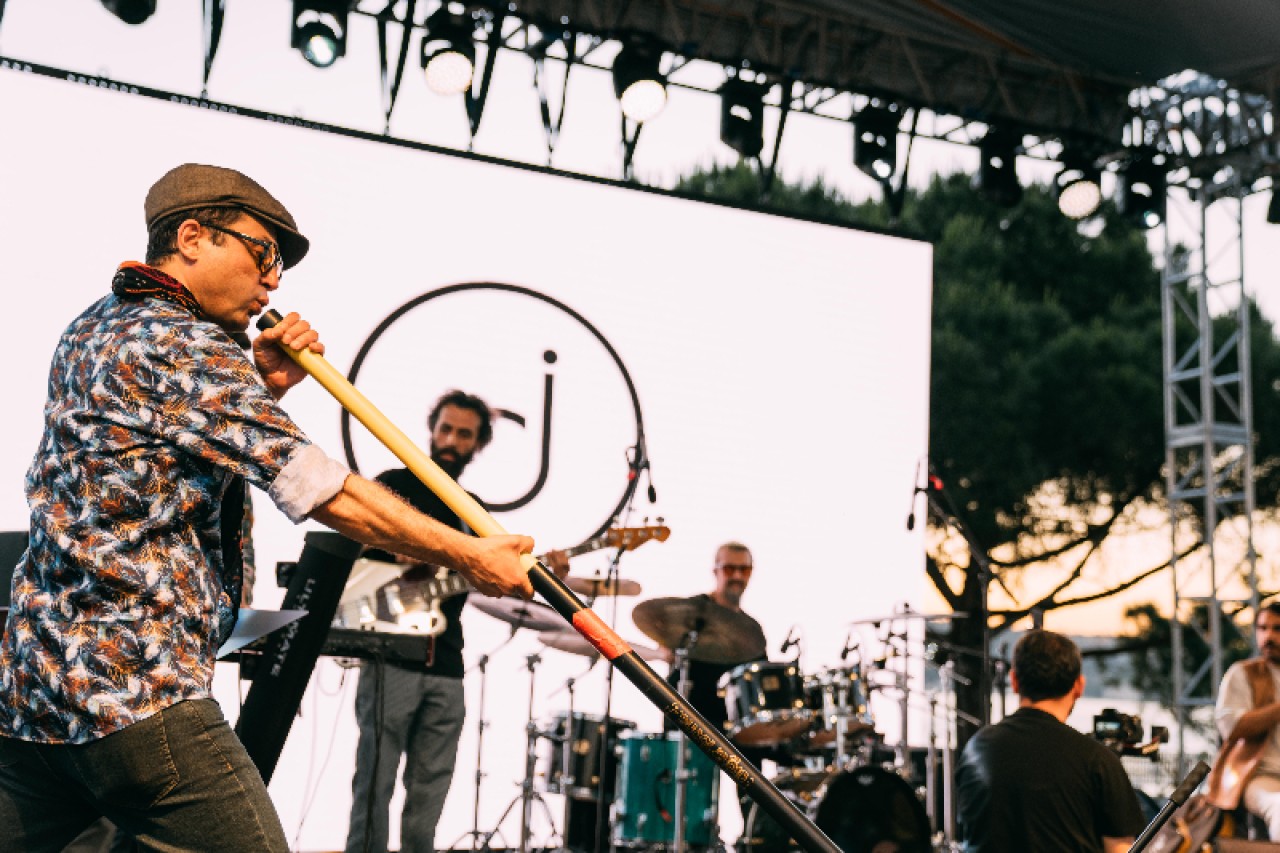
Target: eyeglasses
(268,259)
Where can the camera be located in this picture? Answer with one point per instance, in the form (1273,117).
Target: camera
(1123,733)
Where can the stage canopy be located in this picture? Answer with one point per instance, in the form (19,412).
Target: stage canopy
(1053,68)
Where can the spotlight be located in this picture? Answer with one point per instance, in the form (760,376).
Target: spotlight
(997,177)
(320,30)
(742,116)
(1140,193)
(638,80)
(875,139)
(1078,186)
(130,11)
(448,52)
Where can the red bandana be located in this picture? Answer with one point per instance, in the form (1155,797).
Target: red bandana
(135,281)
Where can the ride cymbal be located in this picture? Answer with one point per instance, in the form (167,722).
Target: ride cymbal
(724,636)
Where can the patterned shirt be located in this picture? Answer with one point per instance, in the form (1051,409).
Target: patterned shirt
(118,603)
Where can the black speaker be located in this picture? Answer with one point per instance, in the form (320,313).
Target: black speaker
(281,674)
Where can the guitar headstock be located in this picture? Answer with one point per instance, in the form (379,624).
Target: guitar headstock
(629,538)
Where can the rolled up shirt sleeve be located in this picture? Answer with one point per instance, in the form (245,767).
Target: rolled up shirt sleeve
(309,479)
(1235,699)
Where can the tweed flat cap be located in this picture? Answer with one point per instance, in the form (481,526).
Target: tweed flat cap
(194,185)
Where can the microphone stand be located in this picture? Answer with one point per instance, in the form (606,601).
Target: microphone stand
(1176,799)
(978,558)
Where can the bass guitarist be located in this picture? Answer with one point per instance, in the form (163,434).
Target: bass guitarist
(417,712)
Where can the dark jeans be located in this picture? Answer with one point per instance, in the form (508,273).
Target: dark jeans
(179,780)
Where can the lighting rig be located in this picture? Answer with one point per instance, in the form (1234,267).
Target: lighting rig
(1173,131)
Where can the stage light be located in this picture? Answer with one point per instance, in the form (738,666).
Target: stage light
(448,52)
(638,80)
(1140,191)
(131,11)
(1078,186)
(997,176)
(875,138)
(320,30)
(742,116)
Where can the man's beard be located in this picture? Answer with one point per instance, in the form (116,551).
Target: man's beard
(452,464)
(733,592)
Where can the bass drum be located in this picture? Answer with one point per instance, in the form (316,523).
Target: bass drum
(867,810)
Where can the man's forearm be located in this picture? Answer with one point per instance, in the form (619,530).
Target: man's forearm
(1116,845)
(1256,723)
(371,514)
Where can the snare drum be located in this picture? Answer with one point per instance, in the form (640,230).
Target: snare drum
(833,694)
(765,702)
(586,734)
(644,813)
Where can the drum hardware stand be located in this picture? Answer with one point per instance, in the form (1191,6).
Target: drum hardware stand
(949,680)
(566,761)
(481,725)
(682,770)
(1001,679)
(527,794)
(931,763)
(602,808)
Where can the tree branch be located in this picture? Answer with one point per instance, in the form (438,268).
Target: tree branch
(1095,534)
(940,583)
(1047,603)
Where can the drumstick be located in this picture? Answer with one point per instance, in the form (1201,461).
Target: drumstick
(562,599)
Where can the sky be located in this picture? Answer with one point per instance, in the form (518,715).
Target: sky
(342,184)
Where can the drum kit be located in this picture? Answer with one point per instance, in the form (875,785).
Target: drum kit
(655,792)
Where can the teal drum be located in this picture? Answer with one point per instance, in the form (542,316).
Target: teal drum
(644,812)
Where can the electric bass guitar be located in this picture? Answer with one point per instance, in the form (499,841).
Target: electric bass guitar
(415,605)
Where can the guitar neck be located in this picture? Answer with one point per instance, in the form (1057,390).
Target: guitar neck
(586,547)
(455,584)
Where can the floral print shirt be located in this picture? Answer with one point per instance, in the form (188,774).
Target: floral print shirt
(118,605)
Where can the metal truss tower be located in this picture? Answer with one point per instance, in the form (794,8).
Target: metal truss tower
(1209,446)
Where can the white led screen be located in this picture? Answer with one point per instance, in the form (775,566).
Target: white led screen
(781,369)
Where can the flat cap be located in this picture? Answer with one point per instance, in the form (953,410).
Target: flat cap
(195,185)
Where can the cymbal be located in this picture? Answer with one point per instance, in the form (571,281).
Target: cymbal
(724,636)
(597,586)
(569,640)
(521,614)
(911,614)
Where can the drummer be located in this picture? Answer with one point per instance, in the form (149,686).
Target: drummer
(732,572)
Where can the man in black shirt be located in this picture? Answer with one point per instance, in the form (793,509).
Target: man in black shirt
(417,712)
(1031,782)
(732,572)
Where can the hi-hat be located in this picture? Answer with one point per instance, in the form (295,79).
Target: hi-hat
(518,613)
(569,640)
(911,614)
(598,586)
(724,636)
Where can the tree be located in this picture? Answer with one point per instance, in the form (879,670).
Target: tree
(1046,389)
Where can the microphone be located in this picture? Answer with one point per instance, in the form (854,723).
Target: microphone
(849,645)
(791,640)
(915,490)
(1176,799)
